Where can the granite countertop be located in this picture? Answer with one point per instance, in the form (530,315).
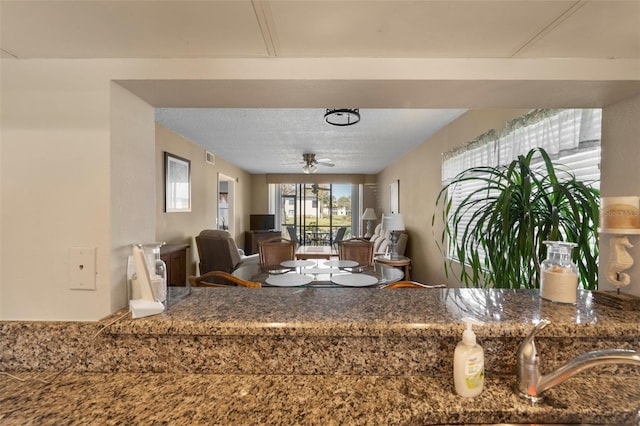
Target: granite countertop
(174,399)
(352,312)
(313,356)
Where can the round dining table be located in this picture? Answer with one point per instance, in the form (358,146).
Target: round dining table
(320,273)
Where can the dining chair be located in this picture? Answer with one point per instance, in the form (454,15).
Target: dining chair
(293,234)
(220,279)
(276,250)
(339,235)
(356,249)
(412,284)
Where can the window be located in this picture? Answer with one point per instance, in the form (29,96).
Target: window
(571,137)
(316,211)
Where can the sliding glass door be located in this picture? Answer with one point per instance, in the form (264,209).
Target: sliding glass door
(313,213)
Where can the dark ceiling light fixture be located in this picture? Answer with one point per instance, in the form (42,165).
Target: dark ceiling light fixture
(342,116)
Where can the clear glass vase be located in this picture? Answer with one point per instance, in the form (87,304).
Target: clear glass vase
(559,274)
(159,284)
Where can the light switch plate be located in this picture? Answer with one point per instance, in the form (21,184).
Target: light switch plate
(82,268)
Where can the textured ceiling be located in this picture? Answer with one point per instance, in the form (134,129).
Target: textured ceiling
(272,140)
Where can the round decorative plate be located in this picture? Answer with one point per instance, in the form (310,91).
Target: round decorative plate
(296,263)
(288,280)
(341,263)
(354,280)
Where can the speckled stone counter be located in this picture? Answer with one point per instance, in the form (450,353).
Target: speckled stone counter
(298,355)
(193,399)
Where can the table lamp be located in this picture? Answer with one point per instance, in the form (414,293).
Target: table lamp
(369,215)
(395,225)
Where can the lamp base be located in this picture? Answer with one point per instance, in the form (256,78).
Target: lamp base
(394,255)
(394,246)
(369,232)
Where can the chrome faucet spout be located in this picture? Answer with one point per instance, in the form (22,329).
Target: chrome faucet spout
(531,383)
(586,361)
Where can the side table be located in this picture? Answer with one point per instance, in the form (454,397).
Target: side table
(402,261)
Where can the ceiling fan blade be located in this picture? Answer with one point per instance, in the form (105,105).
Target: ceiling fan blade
(310,160)
(325,162)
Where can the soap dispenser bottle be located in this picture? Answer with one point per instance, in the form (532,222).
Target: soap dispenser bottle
(468,363)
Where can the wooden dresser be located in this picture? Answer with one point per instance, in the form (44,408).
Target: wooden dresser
(175,256)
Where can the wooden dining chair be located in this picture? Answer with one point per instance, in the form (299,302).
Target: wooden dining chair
(412,284)
(356,249)
(220,279)
(275,251)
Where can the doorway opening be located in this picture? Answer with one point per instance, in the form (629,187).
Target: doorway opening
(226,187)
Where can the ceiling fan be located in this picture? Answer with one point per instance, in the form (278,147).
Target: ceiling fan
(310,163)
(315,188)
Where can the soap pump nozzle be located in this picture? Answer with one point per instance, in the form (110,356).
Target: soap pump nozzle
(468,336)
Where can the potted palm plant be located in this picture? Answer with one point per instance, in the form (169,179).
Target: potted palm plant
(496,232)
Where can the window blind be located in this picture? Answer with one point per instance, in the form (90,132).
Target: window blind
(571,137)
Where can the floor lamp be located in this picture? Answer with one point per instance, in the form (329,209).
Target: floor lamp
(369,215)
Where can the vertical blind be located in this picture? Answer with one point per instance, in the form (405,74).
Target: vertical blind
(570,136)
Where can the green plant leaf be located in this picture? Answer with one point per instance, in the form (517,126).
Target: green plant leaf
(497,231)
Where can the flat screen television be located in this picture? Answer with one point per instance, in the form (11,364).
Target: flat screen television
(262,222)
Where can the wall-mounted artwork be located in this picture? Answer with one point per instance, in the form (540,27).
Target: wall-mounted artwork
(394,197)
(177,184)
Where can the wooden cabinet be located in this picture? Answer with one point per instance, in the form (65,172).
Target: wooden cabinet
(175,257)
(252,238)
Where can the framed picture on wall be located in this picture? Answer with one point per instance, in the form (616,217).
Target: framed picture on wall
(177,184)
(394,197)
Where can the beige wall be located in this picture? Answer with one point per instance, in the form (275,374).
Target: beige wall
(370,199)
(621,176)
(55,187)
(132,218)
(181,227)
(259,195)
(60,183)
(419,172)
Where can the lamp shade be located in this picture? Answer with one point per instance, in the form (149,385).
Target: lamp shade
(369,214)
(392,222)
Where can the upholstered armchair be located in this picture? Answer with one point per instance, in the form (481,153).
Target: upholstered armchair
(218,252)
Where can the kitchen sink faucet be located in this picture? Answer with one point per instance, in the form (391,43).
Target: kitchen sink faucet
(531,383)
